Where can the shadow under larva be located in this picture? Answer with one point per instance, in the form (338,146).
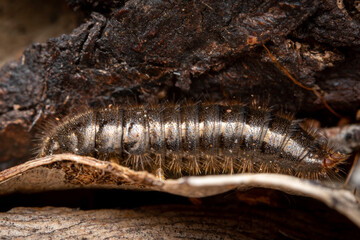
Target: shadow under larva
(194,139)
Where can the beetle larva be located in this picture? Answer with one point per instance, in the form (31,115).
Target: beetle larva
(194,139)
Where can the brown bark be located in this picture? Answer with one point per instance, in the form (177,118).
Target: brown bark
(153,51)
(174,222)
(266,194)
(159,50)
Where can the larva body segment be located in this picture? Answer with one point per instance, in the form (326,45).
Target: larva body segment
(194,139)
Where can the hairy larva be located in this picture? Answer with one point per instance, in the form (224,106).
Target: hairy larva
(194,139)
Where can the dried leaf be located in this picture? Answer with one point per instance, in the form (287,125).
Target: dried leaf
(68,171)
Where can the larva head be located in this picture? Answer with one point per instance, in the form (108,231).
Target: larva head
(320,162)
(333,158)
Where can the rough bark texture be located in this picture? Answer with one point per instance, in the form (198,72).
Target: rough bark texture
(232,199)
(153,50)
(210,220)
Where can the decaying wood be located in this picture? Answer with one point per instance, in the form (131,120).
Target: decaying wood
(166,222)
(152,50)
(68,171)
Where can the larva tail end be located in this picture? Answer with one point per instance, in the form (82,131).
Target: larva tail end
(43,130)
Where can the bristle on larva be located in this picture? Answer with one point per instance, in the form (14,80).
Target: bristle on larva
(194,139)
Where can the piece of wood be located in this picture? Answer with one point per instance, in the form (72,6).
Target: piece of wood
(152,50)
(68,171)
(175,222)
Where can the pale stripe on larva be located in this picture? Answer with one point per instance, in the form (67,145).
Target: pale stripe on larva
(194,139)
